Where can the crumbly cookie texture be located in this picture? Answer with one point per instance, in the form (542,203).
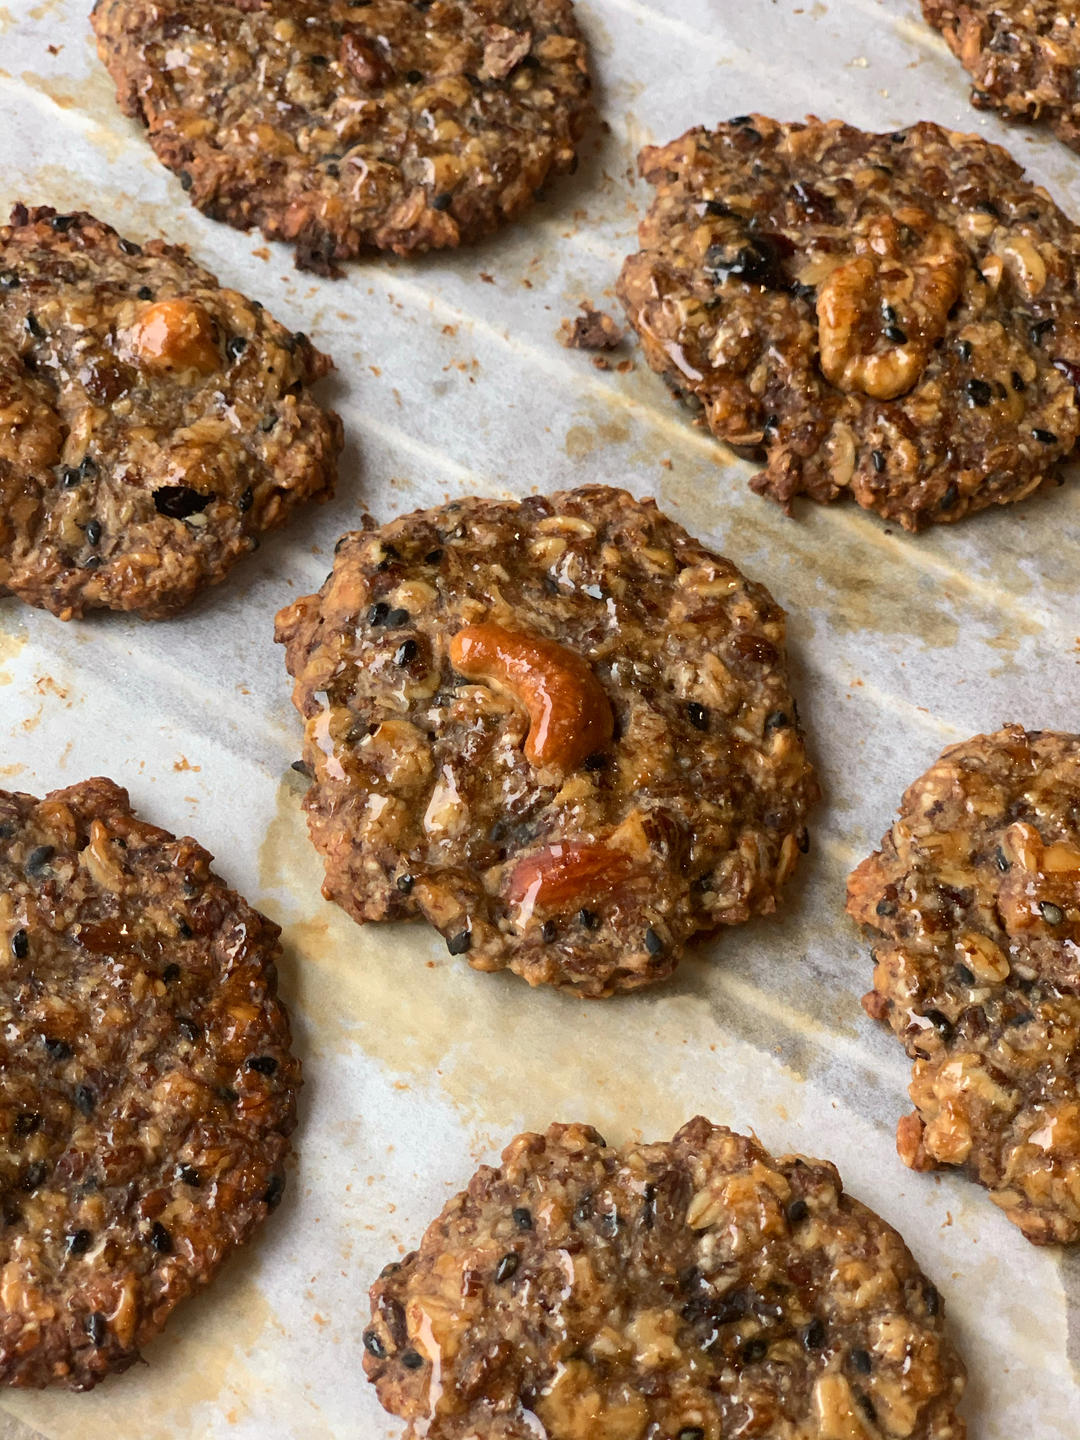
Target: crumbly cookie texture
(559,730)
(146,1090)
(891,317)
(152,424)
(1023,56)
(400,124)
(973,901)
(693,1289)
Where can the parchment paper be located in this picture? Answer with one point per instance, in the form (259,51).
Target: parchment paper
(451,383)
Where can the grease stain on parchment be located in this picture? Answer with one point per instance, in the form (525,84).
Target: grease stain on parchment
(493,1047)
(13,636)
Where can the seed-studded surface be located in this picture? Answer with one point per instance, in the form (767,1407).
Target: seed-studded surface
(402,124)
(663,791)
(152,424)
(694,1289)
(146,1085)
(974,901)
(1023,56)
(890,316)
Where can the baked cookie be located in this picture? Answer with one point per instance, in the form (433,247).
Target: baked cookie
(893,317)
(973,901)
(1022,54)
(398,124)
(154,424)
(692,1289)
(560,730)
(146,1089)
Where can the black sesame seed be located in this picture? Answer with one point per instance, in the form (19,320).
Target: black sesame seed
(941,1023)
(522,1218)
(62,223)
(1045,437)
(653,943)
(20,944)
(877,459)
(1039,329)
(189,1029)
(188,1175)
(813,1336)
(160,1238)
(171,973)
(596,761)
(397,618)
(262,1064)
(96,1325)
(406,652)
(963,349)
(886,907)
(411,1359)
(772,423)
(950,497)
(507,1267)
(274,1191)
(93,532)
(58,1049)
(88,465)
(38,858)
(932,1299)
(333,169)
(70,477)
(245,502)
(433,557)
(699,716)
(235,346)
(861,1361)
(373,1345)
(754,1350)
(1051,913)
(777,720)
(964,975)
(186,181)
(442,202)
(85,1099)
(979,393)
(80,1242)
(797,1210)
(144,292)
(414,76)
(895,335)
(378,613)
(9,280)
(459,943)
(267,423)
(548,931)
(26,1122)
(405,883)
(33,325)
(1018,382)
(588,918)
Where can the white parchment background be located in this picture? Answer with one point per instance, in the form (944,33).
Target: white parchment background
(451,383)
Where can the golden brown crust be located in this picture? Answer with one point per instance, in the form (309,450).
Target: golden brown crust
(890,317)
(403,124)
(694,1290)
(1023,56)
(456,800)
(152,424)
(974,903)
(146,1084)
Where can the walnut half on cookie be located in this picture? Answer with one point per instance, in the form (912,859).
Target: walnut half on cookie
(973,905)
(888,317)
(560,730)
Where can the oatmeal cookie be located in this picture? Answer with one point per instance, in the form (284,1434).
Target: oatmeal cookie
(1023,56)
(155,425)
(560,730)
(146,1085)
(693,1289)
(399,124)
(893,317)
(973,902)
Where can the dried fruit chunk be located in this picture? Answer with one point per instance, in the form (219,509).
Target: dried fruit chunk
(575,808)
(976,922)
(891,317)
(569,714)
(400,124)
(147,1090)
(668,1290)
(152,424)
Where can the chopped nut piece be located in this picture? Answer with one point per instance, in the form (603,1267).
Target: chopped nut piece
(592,330)
(176,335)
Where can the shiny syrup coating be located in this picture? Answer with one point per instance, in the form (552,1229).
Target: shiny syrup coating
(337,128)
(146,1085)
(973,907)
(692,1290)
